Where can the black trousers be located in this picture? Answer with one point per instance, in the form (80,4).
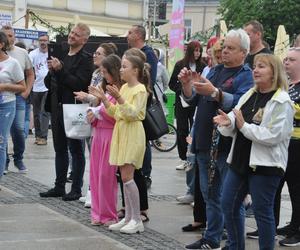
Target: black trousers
(199,210)
(292,178)
(61,144)
(184,121)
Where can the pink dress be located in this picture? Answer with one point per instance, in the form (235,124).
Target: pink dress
(103,181)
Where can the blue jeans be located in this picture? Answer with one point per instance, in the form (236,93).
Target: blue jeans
(214,214)
(27,117)
(17,131)
(262,190)
(190,174)
(7,114)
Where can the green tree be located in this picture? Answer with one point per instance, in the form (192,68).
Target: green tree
(271,13)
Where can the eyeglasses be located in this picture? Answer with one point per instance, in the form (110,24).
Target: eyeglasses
(98,54)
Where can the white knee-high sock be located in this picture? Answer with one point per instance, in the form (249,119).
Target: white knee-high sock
(128,211)
(134,200)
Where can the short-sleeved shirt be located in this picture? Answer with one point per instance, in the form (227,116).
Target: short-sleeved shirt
(10,72)
(22,57)
(39,61)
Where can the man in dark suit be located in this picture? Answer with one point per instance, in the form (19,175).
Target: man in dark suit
(71,74)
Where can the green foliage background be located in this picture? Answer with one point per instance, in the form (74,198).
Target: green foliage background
(271,13)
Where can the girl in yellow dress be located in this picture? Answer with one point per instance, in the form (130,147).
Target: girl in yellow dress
(128,139)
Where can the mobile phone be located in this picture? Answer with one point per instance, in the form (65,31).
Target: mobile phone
(55,50)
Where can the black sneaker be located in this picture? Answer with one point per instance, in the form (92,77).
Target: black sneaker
(203,244)
(53,192)
(291,241)
(286,230)
(252,235)
(72,196)
(191,228)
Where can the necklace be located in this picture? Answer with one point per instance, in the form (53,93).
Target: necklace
(253,108)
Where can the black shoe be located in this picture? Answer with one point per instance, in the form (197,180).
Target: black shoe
(53,192)
(72,196)
(225,248)
(148,181)
(252,235)
(70,178)
(286,230)
(291,241)
(203,244)
(191,228)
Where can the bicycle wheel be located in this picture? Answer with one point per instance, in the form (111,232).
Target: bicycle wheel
(168,141)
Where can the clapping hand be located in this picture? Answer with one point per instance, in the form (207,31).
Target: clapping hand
(186,77)
(113,91)
(239,119)
(80,95)
(90,116)
(203,86)
(97,92)
(222,119)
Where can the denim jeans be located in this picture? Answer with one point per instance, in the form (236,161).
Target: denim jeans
(17,131)
(7,114)
(262,190)
(214,213)
(190,173)
(27,117)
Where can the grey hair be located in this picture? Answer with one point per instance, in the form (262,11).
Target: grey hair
(243,36)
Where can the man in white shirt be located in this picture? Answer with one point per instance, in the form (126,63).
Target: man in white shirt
(39,93)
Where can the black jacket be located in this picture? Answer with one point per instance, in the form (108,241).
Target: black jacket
(75,75)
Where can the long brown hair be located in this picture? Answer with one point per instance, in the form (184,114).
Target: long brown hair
(138,60)
(112,64)
(189,54)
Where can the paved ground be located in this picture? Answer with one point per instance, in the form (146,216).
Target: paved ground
(30,222)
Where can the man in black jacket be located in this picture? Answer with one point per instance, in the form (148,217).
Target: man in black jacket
(71,74)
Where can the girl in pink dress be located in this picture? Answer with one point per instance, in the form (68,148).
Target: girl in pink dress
(103,181)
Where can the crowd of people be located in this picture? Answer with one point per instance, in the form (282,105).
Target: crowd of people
(237,117)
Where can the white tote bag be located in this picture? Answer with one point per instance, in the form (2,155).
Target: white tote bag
(75,121)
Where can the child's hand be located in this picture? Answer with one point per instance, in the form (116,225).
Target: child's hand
(189,139)
(90,116)
(113,91)
(98,92)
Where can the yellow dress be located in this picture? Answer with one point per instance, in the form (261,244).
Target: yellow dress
(128,140)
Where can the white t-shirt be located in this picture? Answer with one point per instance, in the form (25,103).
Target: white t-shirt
(10,72)
(39,61)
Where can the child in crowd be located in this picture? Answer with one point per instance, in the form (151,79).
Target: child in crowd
(103,183)
(128,140)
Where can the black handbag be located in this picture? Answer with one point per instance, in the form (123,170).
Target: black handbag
(155,123)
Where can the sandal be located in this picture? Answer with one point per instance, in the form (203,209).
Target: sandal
(144,217)
(121,213)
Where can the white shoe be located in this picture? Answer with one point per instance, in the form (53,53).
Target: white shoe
(118,226)
(133,227)
(185,199)
(82,199)
(88,200)
(183,165)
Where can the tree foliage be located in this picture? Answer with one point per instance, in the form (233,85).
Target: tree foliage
(271,13)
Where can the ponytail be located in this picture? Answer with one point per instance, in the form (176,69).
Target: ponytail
(146,79)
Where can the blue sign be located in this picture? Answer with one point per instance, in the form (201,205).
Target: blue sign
(28,34)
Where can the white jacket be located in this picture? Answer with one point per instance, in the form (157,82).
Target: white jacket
(270,139)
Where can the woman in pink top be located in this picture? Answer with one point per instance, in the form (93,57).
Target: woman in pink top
(103,181)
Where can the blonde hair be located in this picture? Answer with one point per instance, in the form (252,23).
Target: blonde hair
(84,28)
(279,80)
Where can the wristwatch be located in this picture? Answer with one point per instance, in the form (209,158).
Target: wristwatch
(215,93)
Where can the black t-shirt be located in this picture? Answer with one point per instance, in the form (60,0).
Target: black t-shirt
(252,112)
(250,58)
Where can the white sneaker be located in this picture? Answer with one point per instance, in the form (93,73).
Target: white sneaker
(82,199)
(185,199)
(182,166)
(117,226)
(133,227)
(88,199)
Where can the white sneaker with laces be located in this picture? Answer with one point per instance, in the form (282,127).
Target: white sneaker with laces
(82,199)
(133,227)
(183,165)
(118,226)
(185,199)
(88,200)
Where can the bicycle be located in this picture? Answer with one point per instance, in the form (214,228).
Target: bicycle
(167,142)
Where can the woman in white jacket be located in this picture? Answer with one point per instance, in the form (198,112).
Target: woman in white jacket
(261,125)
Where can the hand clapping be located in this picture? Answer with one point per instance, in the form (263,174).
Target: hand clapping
(222,119)
(97,92)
